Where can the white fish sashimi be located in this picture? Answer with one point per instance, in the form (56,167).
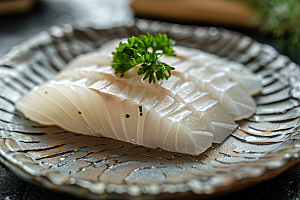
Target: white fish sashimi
(108,97)
(187,113)
(236,71)
(233,98)
(107,48)
(92,100)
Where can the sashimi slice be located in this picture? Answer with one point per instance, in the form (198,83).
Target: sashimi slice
(236,71)
(94,101)
(235,101)
(195,107)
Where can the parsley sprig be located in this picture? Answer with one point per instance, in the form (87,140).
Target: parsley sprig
(144,50)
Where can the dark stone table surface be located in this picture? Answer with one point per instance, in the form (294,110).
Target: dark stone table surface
(46,13)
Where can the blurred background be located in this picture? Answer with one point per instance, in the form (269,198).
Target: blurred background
(275,22)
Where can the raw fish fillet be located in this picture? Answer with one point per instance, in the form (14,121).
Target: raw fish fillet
(227,81)
(187,113)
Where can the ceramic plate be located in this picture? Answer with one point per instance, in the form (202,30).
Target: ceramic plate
(97,168)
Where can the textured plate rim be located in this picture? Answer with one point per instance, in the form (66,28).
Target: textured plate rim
(14,166)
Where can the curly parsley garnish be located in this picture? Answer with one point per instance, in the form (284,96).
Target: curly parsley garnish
(144,50)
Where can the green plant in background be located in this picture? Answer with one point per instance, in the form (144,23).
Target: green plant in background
(281,18)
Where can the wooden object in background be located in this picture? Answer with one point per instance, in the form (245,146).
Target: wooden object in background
(15,6)
(223,12)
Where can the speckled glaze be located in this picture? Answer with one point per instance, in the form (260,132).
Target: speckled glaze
(100,168)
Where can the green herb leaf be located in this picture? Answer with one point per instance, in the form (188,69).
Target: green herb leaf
(143,51)
(141,110)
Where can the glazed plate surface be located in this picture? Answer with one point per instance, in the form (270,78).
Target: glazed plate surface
(263,146)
